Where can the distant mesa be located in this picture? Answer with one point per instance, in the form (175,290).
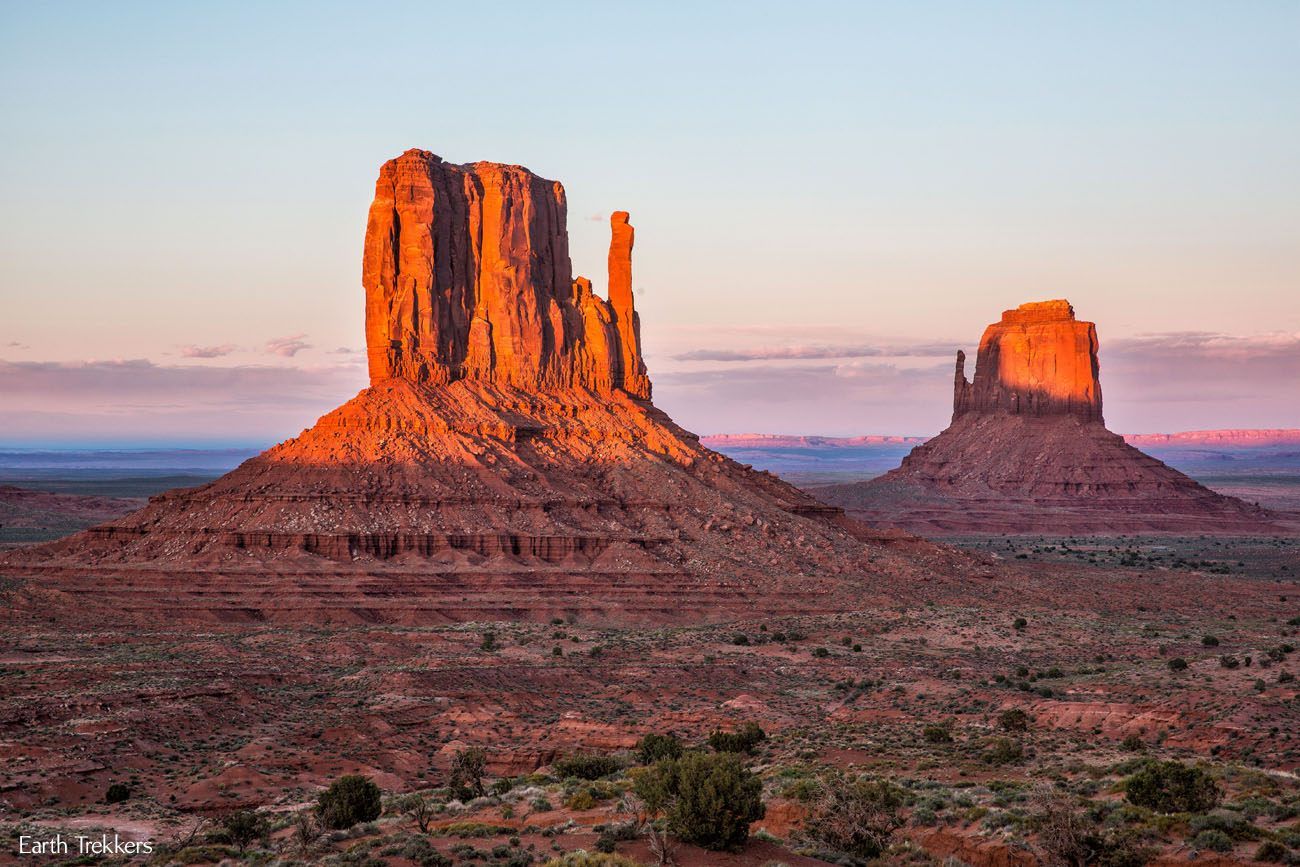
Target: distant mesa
(1038,361)
(1028,451)
(504,463)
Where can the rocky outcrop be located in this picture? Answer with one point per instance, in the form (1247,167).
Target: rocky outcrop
(1039,360)
(467,276)
(505,462)
(1027,451)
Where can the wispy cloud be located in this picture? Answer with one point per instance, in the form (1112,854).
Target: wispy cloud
(137,397)
(287,347)
(193,351)
(805,352)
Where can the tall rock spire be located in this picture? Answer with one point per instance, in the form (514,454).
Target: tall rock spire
(632,373)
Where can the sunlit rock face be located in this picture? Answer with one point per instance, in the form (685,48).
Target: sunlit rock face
(1039,360)
(1027,451)
(467,276)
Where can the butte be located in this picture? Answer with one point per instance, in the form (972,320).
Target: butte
(506,462)
(1028,451)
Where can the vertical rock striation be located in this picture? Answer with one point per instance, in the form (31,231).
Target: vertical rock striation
(1038,361)
(467,276)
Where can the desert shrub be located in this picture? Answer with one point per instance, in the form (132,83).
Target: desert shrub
(1177,664)
(1271,851)
(349,800)
(581,800)
(742,740)
(1003,751)
(1229,661)
(591,859)
(709,799)
(489,642)
(936,734)
(467,768)
(856,817)
(1072,835)
(1020,623)
(740,639)
(1213,840)
(1172,787)
(820,652)
(586,766)
(1133,743)
(244,826)
(419,808)
(1013,720)
(117,793)
(421,851)
(1209,641)
(656,747)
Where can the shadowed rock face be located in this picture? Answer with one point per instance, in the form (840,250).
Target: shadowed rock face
(467,276)
(1027,451)
(1039,360)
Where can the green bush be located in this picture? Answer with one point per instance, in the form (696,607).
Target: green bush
(1013,720)
(656,747)
(1209,641)
(244,826)
(1172,787)
(1177,664)
(350,800)
(1215,841)
(117,793)
(586,766)
(709,799)
(936,734)
(1271,851)
(1003,751)
(742,740)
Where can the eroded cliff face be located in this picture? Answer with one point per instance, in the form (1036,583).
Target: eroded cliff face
(467,276)
(1038,361)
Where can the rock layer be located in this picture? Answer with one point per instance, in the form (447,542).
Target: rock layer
(1027,451)
(504,463)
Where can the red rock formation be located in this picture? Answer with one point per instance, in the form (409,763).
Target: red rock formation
(467,275)
(1039,360)
(505,462)
(632,374)
(1027,451)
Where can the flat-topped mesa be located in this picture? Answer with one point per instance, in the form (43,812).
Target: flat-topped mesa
(467,276)
(1038,361)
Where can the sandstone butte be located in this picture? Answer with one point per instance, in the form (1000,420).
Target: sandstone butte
(505,462)
(1028,451)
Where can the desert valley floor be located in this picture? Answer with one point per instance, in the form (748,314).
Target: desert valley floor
(1084,635)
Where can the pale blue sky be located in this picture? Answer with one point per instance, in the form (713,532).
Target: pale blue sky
(196,175)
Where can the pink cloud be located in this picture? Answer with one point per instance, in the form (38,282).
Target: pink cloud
(122,399)
(193,351)
(287,347)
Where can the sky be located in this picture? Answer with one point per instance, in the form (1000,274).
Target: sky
(830,199)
